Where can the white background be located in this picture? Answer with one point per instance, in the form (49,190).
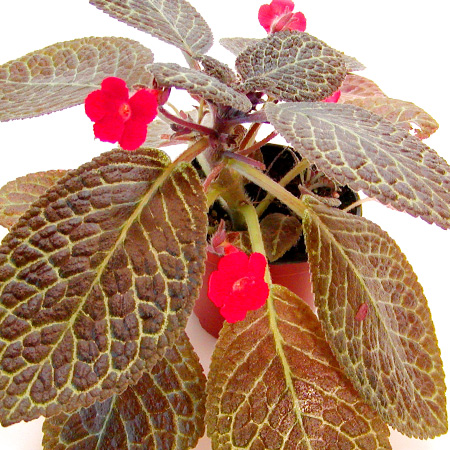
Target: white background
(403,43)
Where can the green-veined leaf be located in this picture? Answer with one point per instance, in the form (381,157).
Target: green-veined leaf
(173,21)
(360,149)
(280,233)
(63,74)
(16,196)
(274,383)
(195,82)
(376,319)
(291,66)
(164,410)
(97,279)
(356,91)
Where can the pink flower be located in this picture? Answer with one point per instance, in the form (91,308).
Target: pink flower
(238,285)
(278,16)
(119,118)
(333,98)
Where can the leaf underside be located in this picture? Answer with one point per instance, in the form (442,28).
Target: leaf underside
(173,21)
(16,196)
(274,383)
(360,149)
(195,82)
(291,66)
(164,410)
(63,74)
(97,278)
(237,45)
(360,91)
(391,353)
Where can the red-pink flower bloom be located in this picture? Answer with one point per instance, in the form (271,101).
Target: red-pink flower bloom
(333,98)
(278,16)
(238,285)
(119,118)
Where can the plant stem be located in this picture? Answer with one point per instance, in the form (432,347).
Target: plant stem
(250,137)
(258,145)
(299,168)
(358,203)
(190,125)
(269,185)
(254,231)
(192,152)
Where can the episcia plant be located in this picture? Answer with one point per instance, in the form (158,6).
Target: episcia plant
(102,264)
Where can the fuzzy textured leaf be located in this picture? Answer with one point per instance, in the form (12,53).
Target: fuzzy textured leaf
(217,69)
(237,45)
(17,196)
(291,66)
(376,319)
(360,149)
(63,74)
(405,114)
(352,64)
(281,233)
(195,82)
(97,278)
(358,86)
(275,384)
(176,22)
(164,410)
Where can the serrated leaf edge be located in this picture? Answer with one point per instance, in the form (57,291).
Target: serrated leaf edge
(307,219)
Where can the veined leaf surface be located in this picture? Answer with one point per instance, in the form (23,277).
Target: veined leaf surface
(275,384)
(164,410)
(291,66)
(366,152)
(376,319)
(16,196)
(196,82)
(63,74)
(217,69)
(360,91)
(173,21)
(98,277)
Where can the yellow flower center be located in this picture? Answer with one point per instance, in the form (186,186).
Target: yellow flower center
(125,111)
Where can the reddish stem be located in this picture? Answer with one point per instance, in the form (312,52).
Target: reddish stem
(191,125)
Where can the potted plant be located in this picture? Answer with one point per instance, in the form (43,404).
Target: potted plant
(100,271)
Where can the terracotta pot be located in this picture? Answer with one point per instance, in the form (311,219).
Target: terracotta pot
(294,276)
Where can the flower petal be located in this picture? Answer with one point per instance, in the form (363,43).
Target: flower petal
(297,22)
(96,105)
(280,7)
(134,134)
(144,105)
(231,312)
(265,17)
(333,98)
(236,263)
(231,268)
(109,129)
(257,265)
(115,87)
